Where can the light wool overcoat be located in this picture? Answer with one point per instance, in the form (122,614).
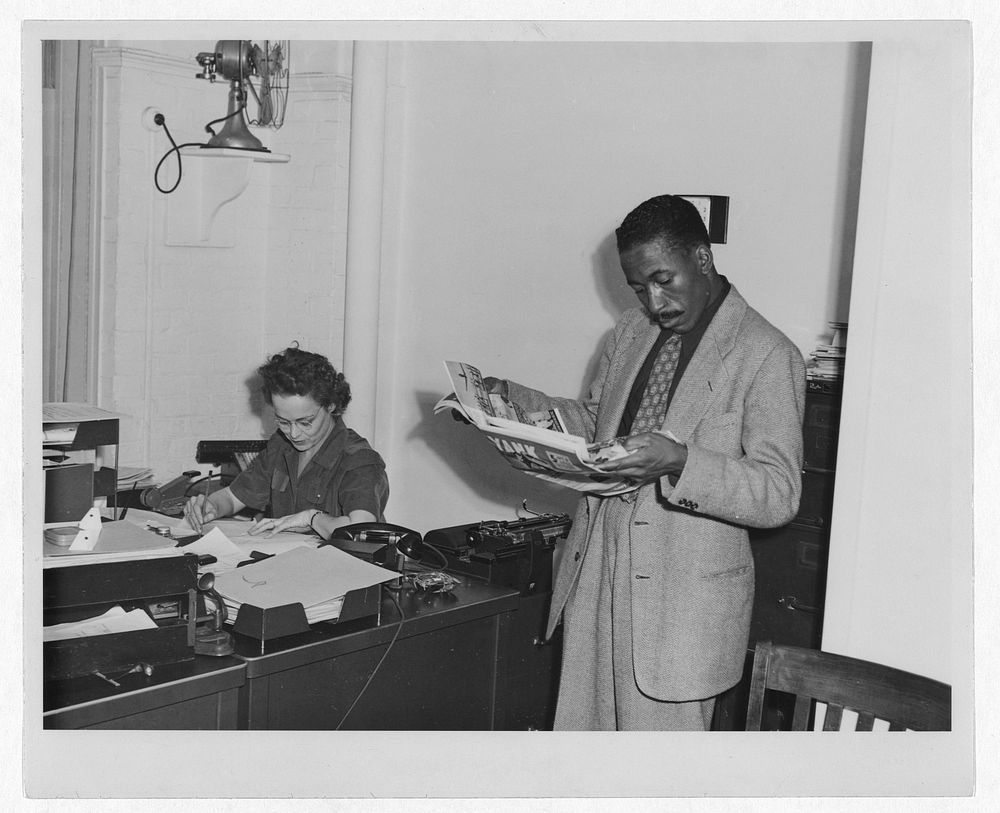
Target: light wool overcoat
(738,408)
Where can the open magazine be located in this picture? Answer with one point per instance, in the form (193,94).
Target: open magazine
(536,443)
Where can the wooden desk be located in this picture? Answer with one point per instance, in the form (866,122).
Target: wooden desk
(467,660)
(444,671)
(198,694)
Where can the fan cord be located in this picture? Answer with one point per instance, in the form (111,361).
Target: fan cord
(208,127)
(161,120)
(371,676)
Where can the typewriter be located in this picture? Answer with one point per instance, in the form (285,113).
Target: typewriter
(509,553)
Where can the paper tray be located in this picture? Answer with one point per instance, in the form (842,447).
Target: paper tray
(290,619)
(117,652)
(81,591)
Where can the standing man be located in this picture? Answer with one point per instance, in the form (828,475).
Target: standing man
(655,587)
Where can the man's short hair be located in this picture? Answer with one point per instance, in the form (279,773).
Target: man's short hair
(671,220)
(299,372)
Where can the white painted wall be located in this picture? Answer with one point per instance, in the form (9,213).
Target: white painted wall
(183,327)
(900,588)
(510,166)
(184,324)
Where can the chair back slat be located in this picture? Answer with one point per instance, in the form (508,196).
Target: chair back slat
(834,714)
(803,709)
(755,703)
(904,699)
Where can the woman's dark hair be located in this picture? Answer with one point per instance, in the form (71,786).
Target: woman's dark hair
(670,220)
(299,372)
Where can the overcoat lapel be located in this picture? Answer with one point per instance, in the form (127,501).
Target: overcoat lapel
(706,375)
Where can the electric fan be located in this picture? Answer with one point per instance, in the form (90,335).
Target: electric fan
(238,61)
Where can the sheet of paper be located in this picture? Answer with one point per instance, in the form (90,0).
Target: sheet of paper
(120,536)
(117,541)
(236,530)
(61,433)
(308,576)
(324,611)
(114,620)
(216,543)
(131,476)
(233,531)
(68,412)
(150,520)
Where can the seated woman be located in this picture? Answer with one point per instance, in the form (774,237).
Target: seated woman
(314,473)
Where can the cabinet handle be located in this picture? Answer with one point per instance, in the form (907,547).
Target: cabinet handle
(791,604)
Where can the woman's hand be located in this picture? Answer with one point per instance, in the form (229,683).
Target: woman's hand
(200,510)
(269,526)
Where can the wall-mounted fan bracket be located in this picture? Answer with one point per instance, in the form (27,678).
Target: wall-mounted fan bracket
(212,178)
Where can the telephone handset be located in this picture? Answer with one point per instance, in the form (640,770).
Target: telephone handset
(398,545)
(171,497)
(404,540)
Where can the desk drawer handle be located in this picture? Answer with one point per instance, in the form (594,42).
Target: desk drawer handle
(791,604)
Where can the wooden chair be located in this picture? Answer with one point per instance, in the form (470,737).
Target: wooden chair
(907,701)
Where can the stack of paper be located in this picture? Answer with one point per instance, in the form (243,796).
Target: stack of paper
(115,542)
(114,620)
(316,578)
(60,420)
(827,361)
(133,477)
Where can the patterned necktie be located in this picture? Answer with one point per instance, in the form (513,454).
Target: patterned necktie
(653,407)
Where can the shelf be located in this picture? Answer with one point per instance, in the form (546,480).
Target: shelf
(259,156)
(70,490)
(211,178)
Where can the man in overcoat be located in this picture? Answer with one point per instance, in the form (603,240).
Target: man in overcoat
(655,587)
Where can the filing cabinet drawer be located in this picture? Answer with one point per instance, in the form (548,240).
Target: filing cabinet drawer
(790,565)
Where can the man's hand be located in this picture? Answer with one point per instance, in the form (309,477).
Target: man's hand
(199,510)
(269,526)
(653,456)
(496,386)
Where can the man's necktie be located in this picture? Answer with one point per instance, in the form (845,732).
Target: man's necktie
(653,407)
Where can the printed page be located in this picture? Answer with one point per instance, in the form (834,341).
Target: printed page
(556,458)
(470,391)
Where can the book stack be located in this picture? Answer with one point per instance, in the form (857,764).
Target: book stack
(826,362)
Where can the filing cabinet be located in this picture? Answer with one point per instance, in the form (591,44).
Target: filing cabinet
(790,562)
